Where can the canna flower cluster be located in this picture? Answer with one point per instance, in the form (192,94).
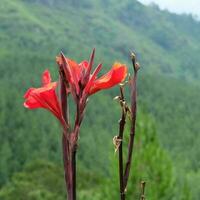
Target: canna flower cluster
(80,82)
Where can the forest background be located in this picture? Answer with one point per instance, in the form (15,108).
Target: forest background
(33,32)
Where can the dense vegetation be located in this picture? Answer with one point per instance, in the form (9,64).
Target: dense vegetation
(43,179)
(33,32)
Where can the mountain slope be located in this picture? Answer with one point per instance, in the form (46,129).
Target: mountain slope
(171,46)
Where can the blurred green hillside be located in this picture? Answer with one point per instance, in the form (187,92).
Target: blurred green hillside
(33,32)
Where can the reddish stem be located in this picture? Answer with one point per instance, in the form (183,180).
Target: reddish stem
(120,137)
(65,139)
(133,89)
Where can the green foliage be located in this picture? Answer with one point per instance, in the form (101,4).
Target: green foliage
(44,180)
(40,180)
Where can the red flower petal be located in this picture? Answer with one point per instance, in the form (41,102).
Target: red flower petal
(28,92)
(50,102)
(86,76)
(75,69)
(115,76)
(71,69)
(46,77)
(32,103)
(92,78)
(44,97)
(83,65)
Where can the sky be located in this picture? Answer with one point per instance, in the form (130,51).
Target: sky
(178,6)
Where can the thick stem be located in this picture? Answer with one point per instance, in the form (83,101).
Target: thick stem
(65,140)
(75,135)
(122,194)
(133,89)
(130,149)
(120,137)
(71,178)
(74,172)
(66,162)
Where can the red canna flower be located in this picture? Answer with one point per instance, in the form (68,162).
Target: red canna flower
(74,73)
(82,81)
(116,75)
(44,97)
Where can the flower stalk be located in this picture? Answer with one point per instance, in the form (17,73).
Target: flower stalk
(125,110)
(65,137)
(133,90)
(122,123)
